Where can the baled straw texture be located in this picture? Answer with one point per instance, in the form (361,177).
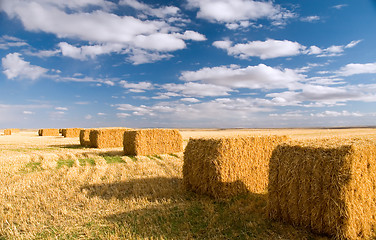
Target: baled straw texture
(49,132)
(107,137)
(85,137)
(152,141)
(7,131)
(326,185)
(71,132)
(228,166)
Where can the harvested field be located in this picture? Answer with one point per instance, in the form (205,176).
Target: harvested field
(48,132)
(327,185)
(229,166)
(152,141)
(53,188)
(71,132)
(107,137)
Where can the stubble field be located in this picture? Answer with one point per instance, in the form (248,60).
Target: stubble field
(52,188)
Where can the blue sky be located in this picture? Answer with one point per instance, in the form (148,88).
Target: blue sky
(187,63)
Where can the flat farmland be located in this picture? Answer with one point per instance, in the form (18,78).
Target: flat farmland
(52,188)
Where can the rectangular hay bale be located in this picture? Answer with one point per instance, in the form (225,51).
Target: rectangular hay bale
(228,166)
(71,132)
(152,141)
(85,137)
(325,185)
(107,137)
(49,132)
(7,131)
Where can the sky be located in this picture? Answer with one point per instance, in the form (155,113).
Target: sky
(187,63)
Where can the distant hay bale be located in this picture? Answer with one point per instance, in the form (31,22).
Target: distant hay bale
(48,132)
(228,166)
(71,132)
(85,137)
(7,131)
(107,137)
(61,131)
(152,141)
(325,185)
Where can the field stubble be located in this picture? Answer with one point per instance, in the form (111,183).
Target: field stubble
(51,188)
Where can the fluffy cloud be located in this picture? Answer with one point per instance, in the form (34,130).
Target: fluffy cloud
(7,42)
(278,48)
(233,11)
(252,77)
(197,89)
(15,67)
(310,19)
(357,68)
(337,114)
(137,87)
(264,50)
(161,12)
(107,32)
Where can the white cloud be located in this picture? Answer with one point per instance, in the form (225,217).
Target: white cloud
(310,19)
(28,112)
(357,68)
(197,89)
(252,77)
(43,53)
(191,100)
(86,80)
(136,87)
(233,11)
(139,56)
(16,68)
(278,48)
(262,49)
(88,117)
(7,42)
(101,114)
(84,52)
(191,35)
(161,12)
(122,115)
(340,6)
(337,114)
(61,108)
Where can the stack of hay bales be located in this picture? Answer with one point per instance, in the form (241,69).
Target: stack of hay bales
(228,166)
(71,132)
(48,132)
(107,137)
(152,141)
(326,185)
(10,131)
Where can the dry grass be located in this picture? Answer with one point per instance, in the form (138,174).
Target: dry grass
(51,188)
(152,141)
(228,166)
(327,185)
(70,132)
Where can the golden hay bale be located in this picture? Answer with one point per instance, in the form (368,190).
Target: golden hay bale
(71,132)
(61,131)
(7,131)
(228,166)
(152,141)
(107,137)
(326,185)
(85,137)
(49,132)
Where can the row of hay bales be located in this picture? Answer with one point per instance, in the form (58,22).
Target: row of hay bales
(10,131)
(65,132)
(327,185)
(134,142)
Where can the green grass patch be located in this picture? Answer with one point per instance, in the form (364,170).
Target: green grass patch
(113,159)
(86,161)
(32,167)
(173,155)
(157,157)
(65,162)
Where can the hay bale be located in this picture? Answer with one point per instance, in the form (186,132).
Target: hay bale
(325,185)
(7,131)
(49,132)
(85,137)
(107,137)
(228,166)
(71,132)
(152,141)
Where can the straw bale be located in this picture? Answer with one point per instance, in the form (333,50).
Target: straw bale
(49,132)
(228,166)
(7,131)
(152,141)
(61,131)
(85,137)
(326,185)
(71,132)
(107,137)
